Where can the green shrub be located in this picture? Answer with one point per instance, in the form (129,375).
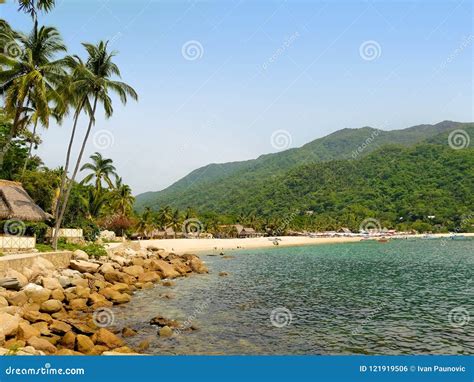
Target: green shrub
(94,250)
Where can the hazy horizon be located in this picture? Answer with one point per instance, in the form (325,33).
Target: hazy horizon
(217,80)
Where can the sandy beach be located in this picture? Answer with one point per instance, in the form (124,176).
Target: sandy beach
(207,245)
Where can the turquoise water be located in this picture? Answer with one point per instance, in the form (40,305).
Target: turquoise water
(403,297)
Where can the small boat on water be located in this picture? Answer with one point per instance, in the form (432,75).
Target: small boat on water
(383,240)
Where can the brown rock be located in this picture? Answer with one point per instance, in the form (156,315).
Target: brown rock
(148,277)
(78,304)
(128,332)
(84,344)
(9,324)
(167,283)
(51,306)
(84,266)
(42,344)
(69,340)
(58,294)
(114,296)
(42,327)
(165,331)
(107,338)
(198,266)
(51,283)
(133,270)
(180,266)
(59,327)
(3,302)
(98,350)
(17,298)
(119,277)
(162,321)
(223,274)
(121,287)
(34,316)
(166,269)
(26,331)
(22,279)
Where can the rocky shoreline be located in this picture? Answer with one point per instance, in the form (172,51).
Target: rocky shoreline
(46,311)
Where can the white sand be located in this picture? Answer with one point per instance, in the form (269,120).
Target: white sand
(209,245)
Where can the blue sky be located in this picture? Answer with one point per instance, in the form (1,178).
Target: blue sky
(256,67)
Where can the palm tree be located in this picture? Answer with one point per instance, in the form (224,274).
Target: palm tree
(101,169)
(31,7)
(122,198)
(165,214)
(95,81)
(93,202)
(31,78)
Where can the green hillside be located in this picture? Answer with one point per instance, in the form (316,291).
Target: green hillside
(217,187)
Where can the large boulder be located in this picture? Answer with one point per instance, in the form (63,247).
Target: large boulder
(17,298)
(34,316)
(51,306)
(107,235)
(150,276)
(42,344)
(106,268)
(51,283)
(134,270)
(9,324)
(115,296)
(10,283)
(166,269)
(120,260)
(84,344)
(198,266)
(84,266)
(79,254)
(36,293)
(42,267)
(180,266)
(119,277)
(68,341)
(22,279)
(107,338)
(26,331)
(59,327)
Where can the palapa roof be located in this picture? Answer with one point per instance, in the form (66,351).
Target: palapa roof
(15,203)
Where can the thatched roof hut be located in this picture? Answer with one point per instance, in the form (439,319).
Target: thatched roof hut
(15,203)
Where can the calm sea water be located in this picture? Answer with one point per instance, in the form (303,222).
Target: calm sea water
(403,297)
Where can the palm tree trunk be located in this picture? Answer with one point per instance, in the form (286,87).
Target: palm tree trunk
(59,218)
(29,149)
(68,158)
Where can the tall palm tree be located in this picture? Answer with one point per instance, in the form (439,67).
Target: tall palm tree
(122,198)
(165,214)
(31,7)
(95,81)
(93,202)
(31,78)
(101,169)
